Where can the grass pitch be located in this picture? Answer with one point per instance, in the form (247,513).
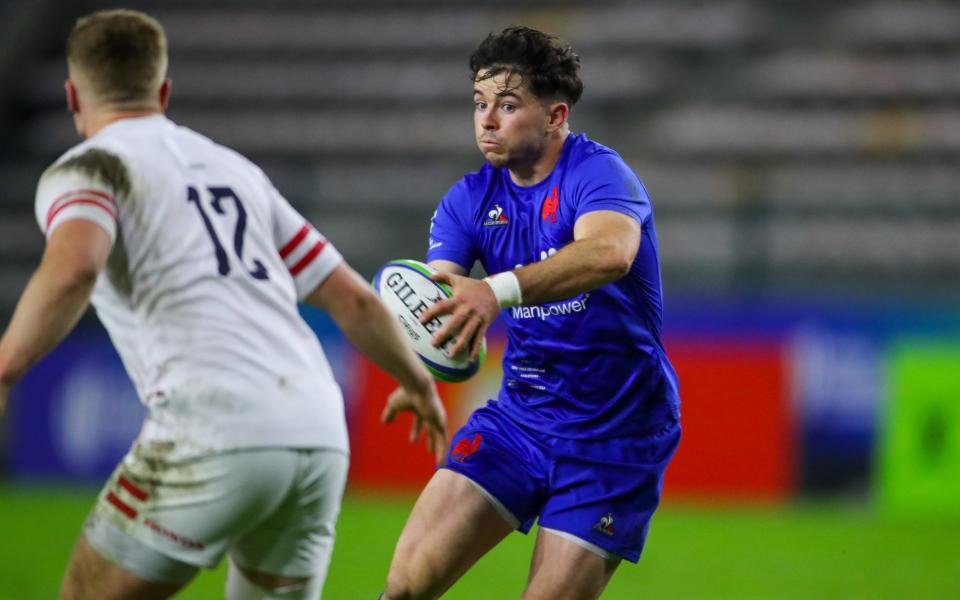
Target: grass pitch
(813,551)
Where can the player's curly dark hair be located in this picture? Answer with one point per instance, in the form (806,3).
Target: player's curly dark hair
(546,64)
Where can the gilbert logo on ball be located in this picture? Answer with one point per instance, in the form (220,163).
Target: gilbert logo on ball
(407,290)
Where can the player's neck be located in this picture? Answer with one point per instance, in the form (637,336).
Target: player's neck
(541,168)
(97,120)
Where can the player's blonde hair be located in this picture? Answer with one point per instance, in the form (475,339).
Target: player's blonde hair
(121,54)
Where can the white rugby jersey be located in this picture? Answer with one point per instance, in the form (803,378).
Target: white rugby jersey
(200,291)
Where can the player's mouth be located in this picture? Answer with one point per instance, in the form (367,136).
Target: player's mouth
(491,144)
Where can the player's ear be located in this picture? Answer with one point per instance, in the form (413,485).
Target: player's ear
(557,114)
(165,93)
(73,104)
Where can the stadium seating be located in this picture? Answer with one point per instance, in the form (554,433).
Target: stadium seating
(784,144)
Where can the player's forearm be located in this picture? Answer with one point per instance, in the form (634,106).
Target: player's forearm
(50,306)
(375,333)
(363,318)
(579,267)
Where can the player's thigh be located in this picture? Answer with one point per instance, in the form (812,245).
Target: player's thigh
(90,576)
(495,480)
(605,493)
(452,525)
(293,545)
(563,569)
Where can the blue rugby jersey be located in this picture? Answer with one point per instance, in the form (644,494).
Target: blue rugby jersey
(592,366)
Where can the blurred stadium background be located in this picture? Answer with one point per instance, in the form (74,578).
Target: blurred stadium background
(804,163)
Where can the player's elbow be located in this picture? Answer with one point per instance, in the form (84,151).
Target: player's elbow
(85,274)
(352,306)
(73,272)
(615,261)
(362,304)
(620,266)
(344,295)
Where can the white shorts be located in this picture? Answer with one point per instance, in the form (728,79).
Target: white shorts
(273,509)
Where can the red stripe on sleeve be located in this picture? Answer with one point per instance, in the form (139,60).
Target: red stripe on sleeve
(133,489)
(80,200)
(293,243)
(121,505)
(95,193)
(306,260)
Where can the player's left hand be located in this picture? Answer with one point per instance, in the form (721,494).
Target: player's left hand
(473,307)
(429,416)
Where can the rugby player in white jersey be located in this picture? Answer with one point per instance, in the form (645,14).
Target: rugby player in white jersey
(195,263)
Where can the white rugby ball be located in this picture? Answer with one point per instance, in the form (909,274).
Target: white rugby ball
(407,290)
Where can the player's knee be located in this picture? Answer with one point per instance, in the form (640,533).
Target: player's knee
(401,587)
(396,588)
(240,587)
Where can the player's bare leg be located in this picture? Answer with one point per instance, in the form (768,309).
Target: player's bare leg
(92,577)
(452,525)
(564,570)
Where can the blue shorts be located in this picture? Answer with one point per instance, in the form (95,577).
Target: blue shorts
(601,492)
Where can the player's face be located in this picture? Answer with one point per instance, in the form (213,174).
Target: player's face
(511,124)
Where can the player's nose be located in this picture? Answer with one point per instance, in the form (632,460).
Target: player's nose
(487,120)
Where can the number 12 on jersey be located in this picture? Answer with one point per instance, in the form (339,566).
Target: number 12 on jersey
(219,195)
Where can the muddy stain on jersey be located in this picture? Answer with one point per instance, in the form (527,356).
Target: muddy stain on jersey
(98,164)
(107,168)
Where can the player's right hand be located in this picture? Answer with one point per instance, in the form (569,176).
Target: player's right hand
(473,307)
(427,412)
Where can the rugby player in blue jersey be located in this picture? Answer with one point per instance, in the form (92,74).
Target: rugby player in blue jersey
(587,417)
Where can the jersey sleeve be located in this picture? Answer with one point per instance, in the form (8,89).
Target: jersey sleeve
(607,183)
(450,237)
(75,189)
(307,254)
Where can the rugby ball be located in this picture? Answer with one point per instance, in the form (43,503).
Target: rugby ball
(407,290)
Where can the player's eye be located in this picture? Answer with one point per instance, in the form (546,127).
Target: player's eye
(508,108)
(480,105)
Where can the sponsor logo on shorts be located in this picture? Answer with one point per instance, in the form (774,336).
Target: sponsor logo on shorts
(465,448)
(173,536)
(605,525)
(496,218)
